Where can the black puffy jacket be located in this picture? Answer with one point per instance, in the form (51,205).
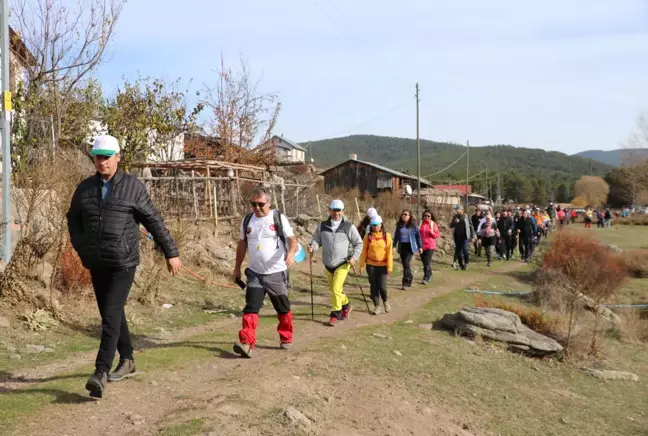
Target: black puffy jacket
(105,234)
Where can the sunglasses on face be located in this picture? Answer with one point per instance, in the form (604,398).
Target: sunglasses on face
(427,216)
(336,210)
(258,204)
(405,214)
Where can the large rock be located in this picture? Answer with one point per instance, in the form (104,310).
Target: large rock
(4,322)
(502,326)
(611,375)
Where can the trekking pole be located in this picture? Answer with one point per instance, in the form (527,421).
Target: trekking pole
(310,259)
(360,286)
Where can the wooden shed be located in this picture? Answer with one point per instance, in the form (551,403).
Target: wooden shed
(368,177)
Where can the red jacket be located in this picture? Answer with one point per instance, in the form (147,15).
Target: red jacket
(429,235)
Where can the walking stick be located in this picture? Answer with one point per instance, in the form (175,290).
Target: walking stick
(360,286)
(310,259)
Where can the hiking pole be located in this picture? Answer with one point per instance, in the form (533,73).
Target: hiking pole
(360,286)
(310,259)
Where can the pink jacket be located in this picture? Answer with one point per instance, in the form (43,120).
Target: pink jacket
(429,235)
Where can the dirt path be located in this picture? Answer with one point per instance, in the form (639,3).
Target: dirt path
(236,393)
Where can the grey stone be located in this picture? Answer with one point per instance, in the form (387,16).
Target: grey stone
(296,417)
(501,326)
(425,326)
(34,349)
(409,321)
(398,353)
(15,357)
(381,336)
(4,322)
(48,350)
(611,375)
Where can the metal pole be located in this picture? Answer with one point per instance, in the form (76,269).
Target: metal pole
(418,158)
(6,127)
(467,165)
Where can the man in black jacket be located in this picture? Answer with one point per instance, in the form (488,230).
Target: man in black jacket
(504,225)
(525,231)
(104,217)
(463,232)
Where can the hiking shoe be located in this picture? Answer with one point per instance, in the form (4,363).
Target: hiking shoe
(285,345)
(387,307)
(376,310)
(333,321)
(125,369)
(346,312)
(243,350)
(488,264)
(454,265)
(96,384)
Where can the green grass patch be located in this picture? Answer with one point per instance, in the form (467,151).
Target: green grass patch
(190,428)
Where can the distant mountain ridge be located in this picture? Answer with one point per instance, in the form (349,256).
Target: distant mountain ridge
(615,157)
(400,154)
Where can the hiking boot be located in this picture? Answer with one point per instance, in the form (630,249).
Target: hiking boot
(243,350)
(454,265)
(125,369)
(333,321)
(96,384)
(387,307)
(488,264)
(285,346)
(376,310)
(346,312)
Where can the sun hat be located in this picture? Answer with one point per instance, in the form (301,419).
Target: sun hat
(337,204)
(376,220)
(105,145)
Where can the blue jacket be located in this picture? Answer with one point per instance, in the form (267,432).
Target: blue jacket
(415,238)
(535,224)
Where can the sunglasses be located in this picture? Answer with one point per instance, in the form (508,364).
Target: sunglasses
(258,204)
(405,214)
(427,216)
(336,210)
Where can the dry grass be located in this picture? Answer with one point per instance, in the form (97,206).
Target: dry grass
(635,220)
(532,318)
(633,327)
(73,275)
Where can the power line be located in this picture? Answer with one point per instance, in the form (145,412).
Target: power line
(448,167)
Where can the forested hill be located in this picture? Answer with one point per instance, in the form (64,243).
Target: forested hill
(400,154)
(616,157)
(526,175)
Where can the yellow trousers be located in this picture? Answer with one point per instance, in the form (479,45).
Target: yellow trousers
(336,285)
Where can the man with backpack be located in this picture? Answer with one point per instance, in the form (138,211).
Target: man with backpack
(268,239)
(341,248)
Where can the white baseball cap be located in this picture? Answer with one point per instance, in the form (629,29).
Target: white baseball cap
(376,220)
(371,212)
(337,204)
(105,145)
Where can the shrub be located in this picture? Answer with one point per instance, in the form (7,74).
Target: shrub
(72,273)
(636,263)
(633,327)
(532,318)
(577,266)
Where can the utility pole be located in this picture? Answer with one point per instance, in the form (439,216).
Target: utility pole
(5,126)
(499,191)
(418,157)
(467,166)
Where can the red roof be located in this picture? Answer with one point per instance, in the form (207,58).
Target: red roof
(460,188)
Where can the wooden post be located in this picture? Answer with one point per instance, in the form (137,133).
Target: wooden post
(208,192)
(215,205)
(274,194)
(283,199)
(319,208)
(233,201)
(358,209)
(177,187)
(297,202)
(193,194)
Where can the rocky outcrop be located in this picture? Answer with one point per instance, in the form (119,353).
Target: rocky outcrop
(501,326)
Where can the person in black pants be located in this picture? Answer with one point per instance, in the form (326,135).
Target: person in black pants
(104,217)
(525,231)
(475,221)
(407,242)
(463,233)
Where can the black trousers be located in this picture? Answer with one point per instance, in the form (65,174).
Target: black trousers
(426,256)
(462,251)
(405,251)
(378,283)
(111,287)
(525,246)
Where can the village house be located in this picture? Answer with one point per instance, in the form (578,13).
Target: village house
(368,177)
(287,151)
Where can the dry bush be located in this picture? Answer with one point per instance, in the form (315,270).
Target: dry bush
(636,263)
(532,318)
(390,205)
(633,327)
(73,276)
(575,266)
(634,220)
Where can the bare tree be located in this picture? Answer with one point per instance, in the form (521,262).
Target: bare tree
(243,117)
(634,156)
(65,42)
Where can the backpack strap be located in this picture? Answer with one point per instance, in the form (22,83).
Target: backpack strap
(246,222)
(276,214)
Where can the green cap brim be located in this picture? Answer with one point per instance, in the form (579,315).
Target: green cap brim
(100,152)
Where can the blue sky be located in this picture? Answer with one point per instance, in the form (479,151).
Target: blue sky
(558,75)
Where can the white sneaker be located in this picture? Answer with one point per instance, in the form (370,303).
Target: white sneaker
(387,307)
(376,310)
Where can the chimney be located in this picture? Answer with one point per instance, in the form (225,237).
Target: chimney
(353,156)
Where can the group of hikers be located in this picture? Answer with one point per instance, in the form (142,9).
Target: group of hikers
(108,208)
